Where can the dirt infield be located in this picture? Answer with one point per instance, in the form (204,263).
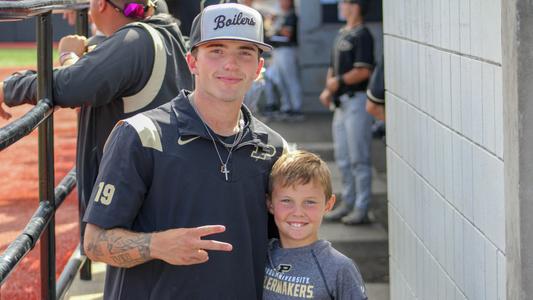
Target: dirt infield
(19,199)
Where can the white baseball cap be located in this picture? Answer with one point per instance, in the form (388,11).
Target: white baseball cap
(228,21)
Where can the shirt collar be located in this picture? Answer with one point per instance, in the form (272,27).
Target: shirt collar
(190,124)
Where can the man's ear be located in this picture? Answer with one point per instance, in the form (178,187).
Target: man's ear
(330,203)
(191,62)
(259,67)
(102,5)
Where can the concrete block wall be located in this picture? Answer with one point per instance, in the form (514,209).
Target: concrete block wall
(445,149)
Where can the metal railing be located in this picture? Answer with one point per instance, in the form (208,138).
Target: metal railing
(42,224)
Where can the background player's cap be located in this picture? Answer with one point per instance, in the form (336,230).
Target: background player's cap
(363,2)
(229,21)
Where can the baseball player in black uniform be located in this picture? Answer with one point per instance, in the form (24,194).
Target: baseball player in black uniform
(179,206)
(351,65)
(140,66)
(375,104)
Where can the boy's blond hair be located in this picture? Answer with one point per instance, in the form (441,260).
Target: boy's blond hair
(301,167)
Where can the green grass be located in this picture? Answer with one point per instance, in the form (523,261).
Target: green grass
(20,57)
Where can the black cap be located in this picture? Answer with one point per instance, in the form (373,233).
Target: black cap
(361,2)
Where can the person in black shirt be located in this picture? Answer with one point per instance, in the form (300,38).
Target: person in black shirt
(138,66)
(375,104)
(284,37)
(180,198)
(351,65)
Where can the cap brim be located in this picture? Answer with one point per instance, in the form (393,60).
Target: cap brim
(263,46)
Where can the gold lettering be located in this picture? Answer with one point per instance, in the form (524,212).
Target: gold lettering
(303,289)
(105,193)
(310,291)
(100,188)
(296,290)
(108,192)
(279,287)
(290,287)
(265,153)
(269,283)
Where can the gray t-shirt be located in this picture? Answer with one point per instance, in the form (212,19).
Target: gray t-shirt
(316,271)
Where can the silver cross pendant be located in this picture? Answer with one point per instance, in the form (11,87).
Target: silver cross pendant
(224,169)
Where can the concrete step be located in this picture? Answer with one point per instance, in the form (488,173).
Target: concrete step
(378,291)
(325,150)
(315,128)
(88,290)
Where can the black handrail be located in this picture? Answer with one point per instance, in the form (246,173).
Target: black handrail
(16,251)
(72,267)
(21,9)
(23,126)
(64,188)
(42,224)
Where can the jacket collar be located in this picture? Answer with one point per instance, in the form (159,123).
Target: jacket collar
(190,124)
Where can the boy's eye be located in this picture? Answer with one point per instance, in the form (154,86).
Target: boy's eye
(286,202)
(310,202)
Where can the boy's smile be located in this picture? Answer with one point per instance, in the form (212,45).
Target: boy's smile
(298,212)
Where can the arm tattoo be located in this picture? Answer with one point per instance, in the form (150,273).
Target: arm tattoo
(122,248)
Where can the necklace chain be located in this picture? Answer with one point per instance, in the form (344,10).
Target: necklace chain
(238,138)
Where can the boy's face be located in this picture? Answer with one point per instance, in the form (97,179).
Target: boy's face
(298,212)
(225,69)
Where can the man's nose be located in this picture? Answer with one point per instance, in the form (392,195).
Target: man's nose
(231,62)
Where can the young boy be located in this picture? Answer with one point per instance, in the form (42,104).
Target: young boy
(300,265)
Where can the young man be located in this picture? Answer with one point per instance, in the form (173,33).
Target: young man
(347,78)
(178,210)
(140,66)
(299,264)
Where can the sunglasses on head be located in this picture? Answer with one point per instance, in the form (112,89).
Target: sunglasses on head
(131,10)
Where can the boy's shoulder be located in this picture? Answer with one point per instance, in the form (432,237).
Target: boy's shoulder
(327,252)
(349,280)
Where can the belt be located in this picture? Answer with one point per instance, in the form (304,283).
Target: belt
(351,93)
